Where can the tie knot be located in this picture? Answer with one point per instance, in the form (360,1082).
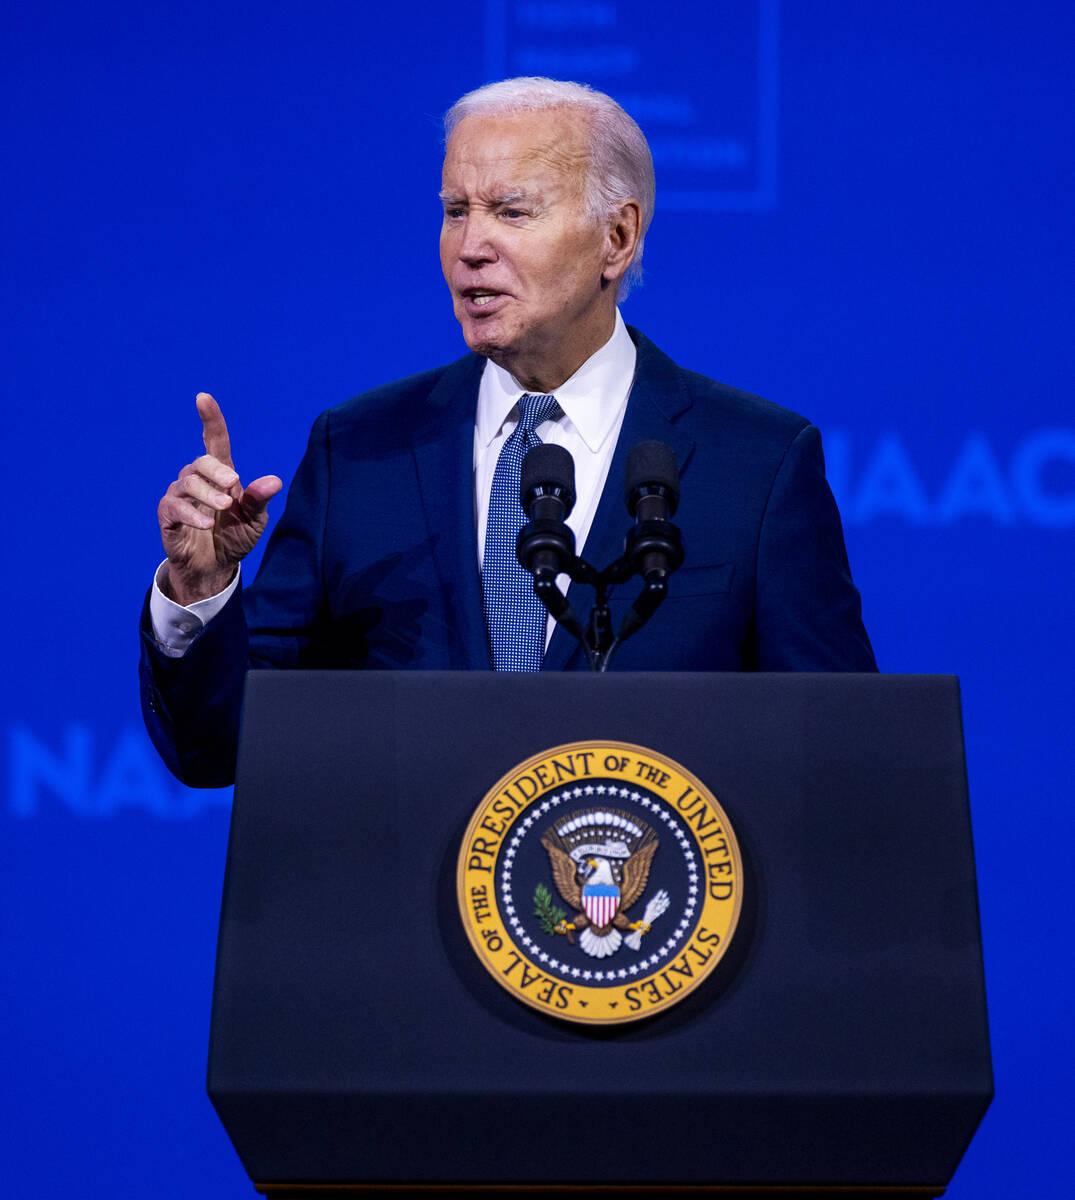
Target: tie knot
(533,409)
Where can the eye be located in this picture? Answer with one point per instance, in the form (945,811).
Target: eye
(453,213)
(513,214)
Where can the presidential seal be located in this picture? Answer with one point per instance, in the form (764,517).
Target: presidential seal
(599,882)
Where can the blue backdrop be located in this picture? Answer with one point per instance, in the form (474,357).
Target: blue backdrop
(864,213)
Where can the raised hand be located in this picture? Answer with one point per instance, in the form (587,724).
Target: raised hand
(209,521)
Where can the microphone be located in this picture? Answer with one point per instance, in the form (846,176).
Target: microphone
(651,487)
(547,480)
(545,544)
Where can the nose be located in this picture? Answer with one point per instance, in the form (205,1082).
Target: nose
(476,246)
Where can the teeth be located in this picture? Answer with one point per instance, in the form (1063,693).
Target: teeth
(482,297)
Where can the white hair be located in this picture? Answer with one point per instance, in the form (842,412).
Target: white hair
(621,166)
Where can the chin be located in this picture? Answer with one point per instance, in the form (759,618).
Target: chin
(487,339)
(488,347)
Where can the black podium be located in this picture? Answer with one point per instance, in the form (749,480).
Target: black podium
(840,1046)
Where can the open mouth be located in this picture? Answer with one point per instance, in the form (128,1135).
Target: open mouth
(479,300)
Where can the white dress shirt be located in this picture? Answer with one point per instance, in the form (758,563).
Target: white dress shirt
(593,401)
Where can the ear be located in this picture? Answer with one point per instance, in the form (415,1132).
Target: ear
(624,230)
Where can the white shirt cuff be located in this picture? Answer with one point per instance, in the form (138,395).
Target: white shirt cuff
(175,627)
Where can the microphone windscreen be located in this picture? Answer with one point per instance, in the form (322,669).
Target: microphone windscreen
(547,467)
(651,466)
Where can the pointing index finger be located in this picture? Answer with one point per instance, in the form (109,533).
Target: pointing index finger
(214,429)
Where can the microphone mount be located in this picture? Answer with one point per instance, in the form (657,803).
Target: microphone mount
(653,547)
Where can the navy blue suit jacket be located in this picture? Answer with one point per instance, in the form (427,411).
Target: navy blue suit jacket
(374,562)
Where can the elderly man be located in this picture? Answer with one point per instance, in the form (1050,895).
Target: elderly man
(547,194)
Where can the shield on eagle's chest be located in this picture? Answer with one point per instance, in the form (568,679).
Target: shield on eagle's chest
(601,900)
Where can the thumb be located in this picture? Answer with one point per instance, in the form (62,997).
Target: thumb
(258,493)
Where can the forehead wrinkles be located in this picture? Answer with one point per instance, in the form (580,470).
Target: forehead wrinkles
(572,161)
(497,157)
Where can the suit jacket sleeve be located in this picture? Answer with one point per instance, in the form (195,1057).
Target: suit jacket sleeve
(191,705)
(808,615)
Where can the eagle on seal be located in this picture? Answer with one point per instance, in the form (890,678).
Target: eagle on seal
(601,862)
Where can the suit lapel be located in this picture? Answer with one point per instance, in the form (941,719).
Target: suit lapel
(444,454)
(659,397)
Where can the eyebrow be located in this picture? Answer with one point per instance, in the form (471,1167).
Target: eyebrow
(449,198)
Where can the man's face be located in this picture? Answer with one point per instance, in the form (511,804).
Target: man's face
(522,257)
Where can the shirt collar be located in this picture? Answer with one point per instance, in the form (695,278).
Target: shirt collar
(592,399)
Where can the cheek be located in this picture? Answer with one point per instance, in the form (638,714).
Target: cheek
(586,256)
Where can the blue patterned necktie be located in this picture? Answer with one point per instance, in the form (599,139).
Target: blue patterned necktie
(514,616)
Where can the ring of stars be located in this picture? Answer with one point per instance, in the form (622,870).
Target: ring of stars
(611,793)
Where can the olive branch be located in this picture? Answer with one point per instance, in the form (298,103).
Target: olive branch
(547,914)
